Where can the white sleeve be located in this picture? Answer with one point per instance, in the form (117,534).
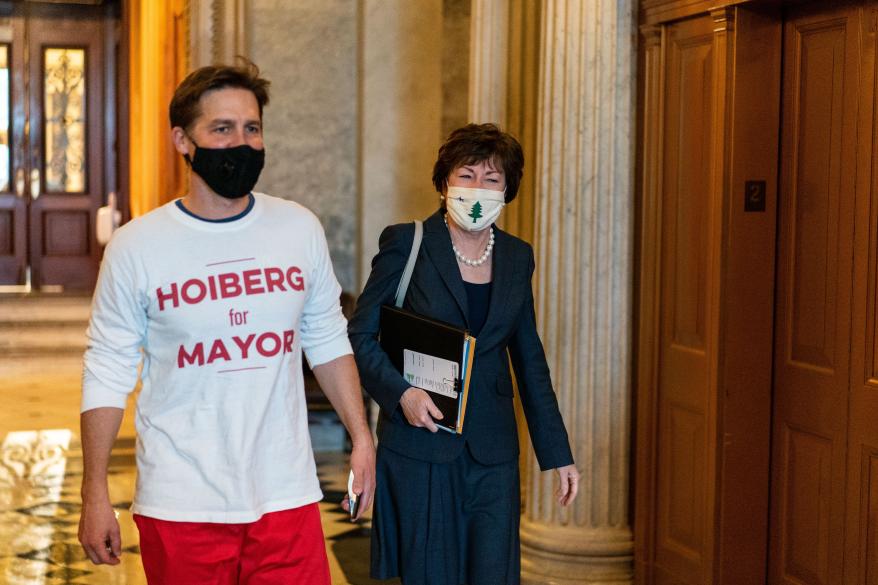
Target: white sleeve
(323,327)
(115,333)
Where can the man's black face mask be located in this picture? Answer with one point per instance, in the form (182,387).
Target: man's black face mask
(230,172)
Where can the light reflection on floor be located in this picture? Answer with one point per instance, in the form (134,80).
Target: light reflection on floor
(40,474)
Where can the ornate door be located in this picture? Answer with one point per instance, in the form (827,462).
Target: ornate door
(57,140)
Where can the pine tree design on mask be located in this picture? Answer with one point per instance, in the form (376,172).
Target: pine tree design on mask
(476,211)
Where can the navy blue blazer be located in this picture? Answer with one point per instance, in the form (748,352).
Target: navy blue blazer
(436,290)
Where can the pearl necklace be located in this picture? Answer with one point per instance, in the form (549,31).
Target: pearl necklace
(482,259)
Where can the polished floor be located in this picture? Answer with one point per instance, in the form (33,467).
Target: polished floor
(40,473)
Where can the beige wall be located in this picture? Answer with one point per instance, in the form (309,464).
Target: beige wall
(401,115)
(308,49)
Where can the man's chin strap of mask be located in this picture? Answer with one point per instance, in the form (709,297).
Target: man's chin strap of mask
(229,172)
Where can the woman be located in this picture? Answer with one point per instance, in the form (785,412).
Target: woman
(447,506)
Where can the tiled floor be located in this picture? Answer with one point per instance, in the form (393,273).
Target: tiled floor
(40,472)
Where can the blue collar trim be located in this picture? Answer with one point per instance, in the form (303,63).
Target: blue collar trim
(250,204)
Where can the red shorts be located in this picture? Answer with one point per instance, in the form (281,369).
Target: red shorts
(281,547)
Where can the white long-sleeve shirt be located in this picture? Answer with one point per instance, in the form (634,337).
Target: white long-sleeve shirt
(221,312)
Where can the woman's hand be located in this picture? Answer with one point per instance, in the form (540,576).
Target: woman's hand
(419,410)
(569,477)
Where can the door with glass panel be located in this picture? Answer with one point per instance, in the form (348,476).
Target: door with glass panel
(57,140)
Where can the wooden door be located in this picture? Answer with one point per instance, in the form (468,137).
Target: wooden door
(63,142)
(687,350)
(861,519)
(13,205)
(711,103)
(814,287)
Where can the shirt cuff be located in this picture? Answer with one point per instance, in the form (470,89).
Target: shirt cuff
(329,350)
(96,395)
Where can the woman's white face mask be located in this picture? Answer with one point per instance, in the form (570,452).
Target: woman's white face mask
(474,209)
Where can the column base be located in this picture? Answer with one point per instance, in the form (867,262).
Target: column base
(561,555)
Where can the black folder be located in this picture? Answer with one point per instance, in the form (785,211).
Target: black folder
(403,330)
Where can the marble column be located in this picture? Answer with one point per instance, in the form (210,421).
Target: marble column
(584,235)
(217,31)
(489,53)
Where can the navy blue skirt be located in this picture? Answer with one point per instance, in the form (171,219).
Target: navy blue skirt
(446,523)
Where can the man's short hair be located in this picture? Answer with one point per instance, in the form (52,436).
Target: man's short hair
(185,105)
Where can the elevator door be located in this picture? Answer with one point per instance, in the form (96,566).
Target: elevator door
(824,495)
(57,140)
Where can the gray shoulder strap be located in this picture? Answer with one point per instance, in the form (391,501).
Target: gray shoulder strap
(409,265)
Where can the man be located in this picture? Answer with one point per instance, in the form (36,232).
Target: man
(221,291)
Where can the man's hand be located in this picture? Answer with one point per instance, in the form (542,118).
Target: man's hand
(341,384)
(419,409)
(98,527)
(363,466)
(99,531)
(569,487)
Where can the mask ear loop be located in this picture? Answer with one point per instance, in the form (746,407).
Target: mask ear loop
(186,156)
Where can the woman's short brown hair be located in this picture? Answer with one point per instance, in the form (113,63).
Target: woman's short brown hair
(476,143)
(185,108)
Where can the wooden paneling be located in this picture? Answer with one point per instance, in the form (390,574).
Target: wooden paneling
(704,373)
(747,335)
(807,461)
(7,233)
(861,527)
(694,144)
(689,117)
(648,308)
(65,233)
(657,11)
(813,311)
(14,260)
(688,211)
(685,530)
(865,527)
(818,307)
(816,180)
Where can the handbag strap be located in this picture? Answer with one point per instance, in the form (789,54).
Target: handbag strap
(409,265)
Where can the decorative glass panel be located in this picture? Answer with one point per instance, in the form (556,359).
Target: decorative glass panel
(64,111)
(4,118)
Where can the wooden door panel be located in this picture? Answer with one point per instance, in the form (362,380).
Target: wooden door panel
(691,60)
(818,169)
(861,529)
(807,460)
(70,185)
(816,182)
(13,239)
(13,205)
(683,526)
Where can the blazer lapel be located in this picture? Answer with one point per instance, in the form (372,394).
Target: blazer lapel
(437,243)
(502,277)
